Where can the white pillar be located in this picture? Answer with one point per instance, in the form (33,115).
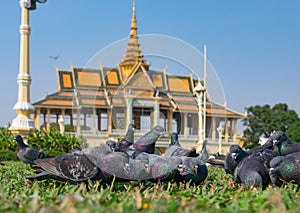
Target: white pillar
(234,129)
(200,121)
(185,121)
(94,120)
(23,123)
(170,120)
(213,128)
(226,129)
(128,112)
(156,112)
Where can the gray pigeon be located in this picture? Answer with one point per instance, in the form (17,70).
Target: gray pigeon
(192,170)
(203,154)
(128,139)
(146,143)
(267,145)
(285,169)
(102,149)
(235,155)
(138,170)
(165,169)
(252,171)
(27,154)
(113,165)
(74,168)
(175,149)
(282,145)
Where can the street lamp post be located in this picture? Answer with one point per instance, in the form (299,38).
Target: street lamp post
(220,130)
(199,91)
(23,124)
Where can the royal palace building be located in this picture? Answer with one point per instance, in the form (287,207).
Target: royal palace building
(99,104)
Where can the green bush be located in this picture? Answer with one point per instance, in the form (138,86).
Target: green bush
(53,141)
(7,140)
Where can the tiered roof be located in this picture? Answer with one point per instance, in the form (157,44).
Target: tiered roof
(104,88)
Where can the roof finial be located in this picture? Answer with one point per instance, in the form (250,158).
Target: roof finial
(133,8)
(133,31)
(133,52)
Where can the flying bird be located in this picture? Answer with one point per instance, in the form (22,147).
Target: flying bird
(54,57)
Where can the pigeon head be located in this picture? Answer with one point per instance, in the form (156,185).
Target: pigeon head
(275,162)
(278,137)
(112,144)
(20,142)
(174,138)
(237,153)
(132,126)
(159,129)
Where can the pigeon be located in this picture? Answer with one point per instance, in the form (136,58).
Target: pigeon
(282,145)
(102,149)
(27,154)
(235,155)
(165,169)
(203,154)
(147,142)
(175,148)
(192,170)
(285,169)
(73,168)
(267,145)
(139,170)
(128,139)
(252,170)
(113,166)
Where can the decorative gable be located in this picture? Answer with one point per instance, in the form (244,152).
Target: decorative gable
(180,84)
(65,80)
(87,78)
(111,76)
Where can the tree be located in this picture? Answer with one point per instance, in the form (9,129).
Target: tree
(293,132)
(265,120)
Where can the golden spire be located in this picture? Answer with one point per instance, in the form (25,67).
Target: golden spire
(133,52)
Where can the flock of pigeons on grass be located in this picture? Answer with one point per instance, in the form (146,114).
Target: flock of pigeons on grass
(275,162)
(120,161)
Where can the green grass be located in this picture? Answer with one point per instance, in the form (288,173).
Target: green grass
(17,194)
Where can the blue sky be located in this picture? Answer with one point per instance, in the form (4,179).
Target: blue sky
(253,45)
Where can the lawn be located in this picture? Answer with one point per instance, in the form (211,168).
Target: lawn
(17,194)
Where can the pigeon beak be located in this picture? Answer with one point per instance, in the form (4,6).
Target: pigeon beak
(126,167)
(275,142)
(180,169)
(196,168)
(234,155)
(147,168)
